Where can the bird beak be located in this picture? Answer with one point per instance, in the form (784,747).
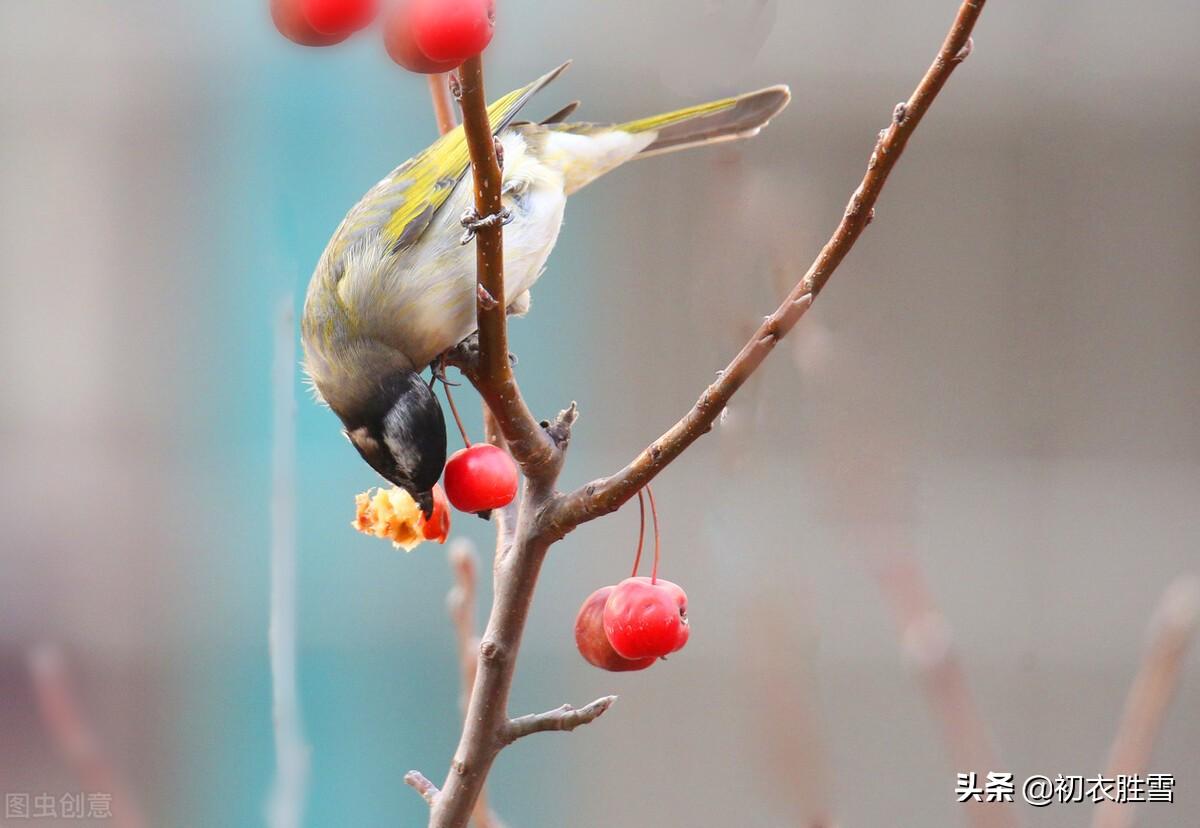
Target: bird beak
(425,502)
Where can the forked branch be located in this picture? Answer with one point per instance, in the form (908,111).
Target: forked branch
(543,515)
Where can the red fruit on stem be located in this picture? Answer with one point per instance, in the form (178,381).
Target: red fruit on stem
(480,477)
(453,29)
(402,47)
(645,618)
(339,17)
(593,644)
(437,526)
(288,17)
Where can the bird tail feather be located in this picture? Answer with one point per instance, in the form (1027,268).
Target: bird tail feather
(728,119)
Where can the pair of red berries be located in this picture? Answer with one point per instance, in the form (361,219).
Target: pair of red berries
(421,35)
(640,620)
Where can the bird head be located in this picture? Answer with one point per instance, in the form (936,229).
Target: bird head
(401,433)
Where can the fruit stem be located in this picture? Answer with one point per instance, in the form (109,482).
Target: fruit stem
(637,559)
(453,407)
(657,541)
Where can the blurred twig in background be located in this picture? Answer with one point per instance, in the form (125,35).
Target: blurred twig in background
(285,804)
(75,737)
(1171,631)
(443,107)
(928,644)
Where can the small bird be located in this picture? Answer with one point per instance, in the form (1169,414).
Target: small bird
(395,287)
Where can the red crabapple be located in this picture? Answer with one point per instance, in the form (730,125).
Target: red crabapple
(402,48)
(339,17)
(288,17)
(452,30)
(646,618)
(593,644)
(480,477)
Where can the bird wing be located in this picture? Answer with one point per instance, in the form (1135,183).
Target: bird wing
(400,207)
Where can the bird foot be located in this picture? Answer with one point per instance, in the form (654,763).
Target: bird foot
(465,355)
(437,371)
(473,222)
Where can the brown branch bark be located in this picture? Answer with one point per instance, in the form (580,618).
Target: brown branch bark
(564,718)
(606,495)
(1171,633)
(460,602)
(543,515)
(492,376)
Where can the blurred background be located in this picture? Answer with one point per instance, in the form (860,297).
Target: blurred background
(995,400)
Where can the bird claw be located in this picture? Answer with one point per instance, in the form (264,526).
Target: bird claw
(473,222)
(465,355)
(437,370)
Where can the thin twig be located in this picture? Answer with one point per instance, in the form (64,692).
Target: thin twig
(565,718)
(606,495)
(417,781)
(460,602)
(285,802)
(75,737)
(443,106)
(1171,631)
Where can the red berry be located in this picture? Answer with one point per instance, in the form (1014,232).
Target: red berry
(453,29)
(437,526)
(339,17)
(593,644)
(402,47)
(288,17)
(480,478)
(646,620)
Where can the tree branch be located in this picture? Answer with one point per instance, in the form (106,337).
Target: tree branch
(506,516)
(493,377)
(1171,632)
(417,781)
(606,495)
(460,602)
(543,515)
(564,718)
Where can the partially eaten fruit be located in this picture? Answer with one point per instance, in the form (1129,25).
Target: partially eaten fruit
(393,514)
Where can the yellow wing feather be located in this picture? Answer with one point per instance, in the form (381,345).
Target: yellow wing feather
(656,122)
(401,206)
